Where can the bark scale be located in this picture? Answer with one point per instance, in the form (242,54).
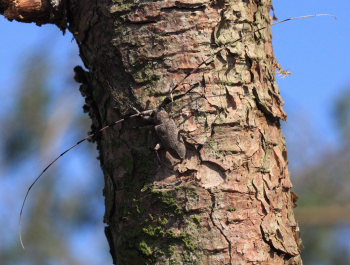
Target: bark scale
(229,201)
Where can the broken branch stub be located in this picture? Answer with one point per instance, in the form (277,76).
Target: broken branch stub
(37,11)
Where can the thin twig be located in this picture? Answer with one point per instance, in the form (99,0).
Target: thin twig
(307,16)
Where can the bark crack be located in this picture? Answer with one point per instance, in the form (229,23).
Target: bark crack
(213,206)
(185,8)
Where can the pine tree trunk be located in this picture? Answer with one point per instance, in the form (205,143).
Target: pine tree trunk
(229,201)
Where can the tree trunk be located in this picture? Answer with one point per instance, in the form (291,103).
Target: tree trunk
(229,201)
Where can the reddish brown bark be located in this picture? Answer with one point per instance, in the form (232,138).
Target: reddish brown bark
(38,11)
(229,201)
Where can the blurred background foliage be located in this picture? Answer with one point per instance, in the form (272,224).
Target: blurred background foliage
(62,222)
(323,187)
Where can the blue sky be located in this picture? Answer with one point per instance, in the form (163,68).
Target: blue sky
(313,49)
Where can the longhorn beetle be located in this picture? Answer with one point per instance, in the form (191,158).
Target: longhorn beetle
(165,127)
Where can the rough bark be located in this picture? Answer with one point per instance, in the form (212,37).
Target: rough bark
(229,201)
